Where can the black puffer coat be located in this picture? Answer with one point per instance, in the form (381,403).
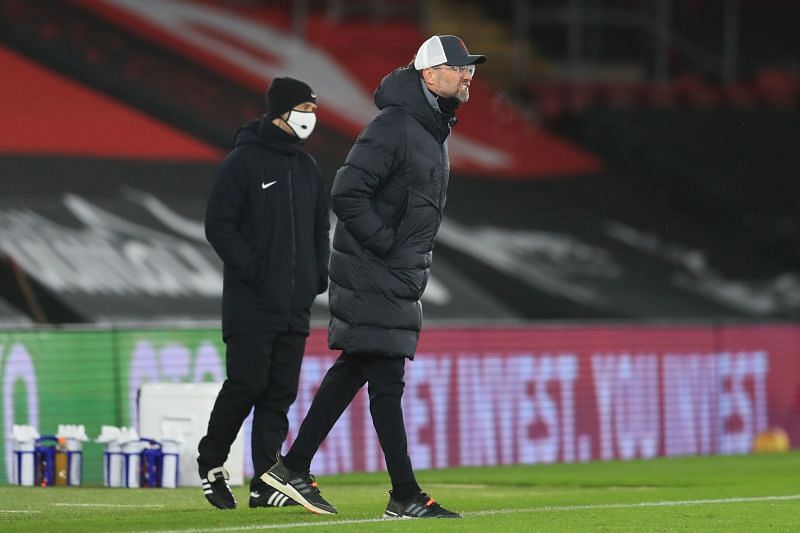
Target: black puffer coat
(389,197)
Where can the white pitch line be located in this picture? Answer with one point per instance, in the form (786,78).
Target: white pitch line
(17,511)
(316,523)
(547,509)
(123,505)
(676,503)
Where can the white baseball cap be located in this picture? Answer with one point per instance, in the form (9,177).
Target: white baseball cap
(445,49)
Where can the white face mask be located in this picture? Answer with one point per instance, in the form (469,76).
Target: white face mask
(302,122)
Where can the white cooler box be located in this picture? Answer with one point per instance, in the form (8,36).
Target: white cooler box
(182,410)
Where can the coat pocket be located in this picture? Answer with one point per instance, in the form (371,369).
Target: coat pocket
(417,225)
(400,214)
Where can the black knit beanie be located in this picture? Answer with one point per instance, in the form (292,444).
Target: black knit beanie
(285,93)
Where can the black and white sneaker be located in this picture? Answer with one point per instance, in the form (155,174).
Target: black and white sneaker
(420,506)
(216,489)
(298,486)
(265,496)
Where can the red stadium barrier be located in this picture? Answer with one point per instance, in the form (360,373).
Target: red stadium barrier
(564,394)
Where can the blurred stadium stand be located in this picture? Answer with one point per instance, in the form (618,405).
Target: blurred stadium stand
(619,159)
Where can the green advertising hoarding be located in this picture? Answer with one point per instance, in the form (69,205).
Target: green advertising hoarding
(91,377)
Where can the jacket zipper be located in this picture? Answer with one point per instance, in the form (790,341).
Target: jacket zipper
(443,181)
(294,244)
(441,196)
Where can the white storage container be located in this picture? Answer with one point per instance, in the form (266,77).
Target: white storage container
(183,410)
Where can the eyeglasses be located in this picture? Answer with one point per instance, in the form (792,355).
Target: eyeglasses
(462,69)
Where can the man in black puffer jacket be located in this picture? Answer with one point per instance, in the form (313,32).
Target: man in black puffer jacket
(389,197)
(267,219)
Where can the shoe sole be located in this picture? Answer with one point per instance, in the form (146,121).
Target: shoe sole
(224,507)
(391,516)
(291,492)
(406,517)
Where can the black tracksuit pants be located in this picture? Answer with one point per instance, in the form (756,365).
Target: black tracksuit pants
(263,373)
(343,380)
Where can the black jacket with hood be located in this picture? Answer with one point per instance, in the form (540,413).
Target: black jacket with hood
(267,219)
(389,197)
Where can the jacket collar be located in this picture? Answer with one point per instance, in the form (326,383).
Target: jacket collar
(264,133)
(402,88)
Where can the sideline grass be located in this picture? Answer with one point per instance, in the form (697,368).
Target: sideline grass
(723,493)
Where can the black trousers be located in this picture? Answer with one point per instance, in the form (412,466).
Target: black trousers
(340,385)
(263,373)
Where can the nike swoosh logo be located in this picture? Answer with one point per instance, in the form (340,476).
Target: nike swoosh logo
(268,185)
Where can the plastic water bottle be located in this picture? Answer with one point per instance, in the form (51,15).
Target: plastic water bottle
(171,462)
(24,445)
(131,451)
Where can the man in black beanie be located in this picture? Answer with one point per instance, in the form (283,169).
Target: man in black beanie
(267,219)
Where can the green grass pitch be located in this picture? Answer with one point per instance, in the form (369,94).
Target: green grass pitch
(721,493)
